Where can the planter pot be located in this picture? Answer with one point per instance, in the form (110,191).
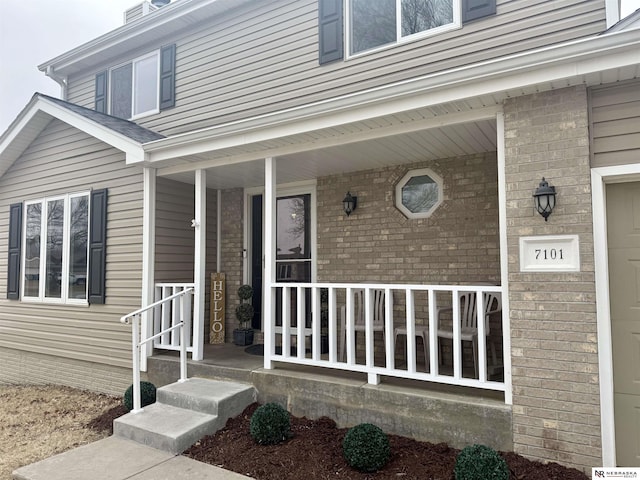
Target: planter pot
(242,337)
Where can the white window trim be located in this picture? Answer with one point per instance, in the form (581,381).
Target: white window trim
(400,40)
(64,292)
(155,53)
(419,173)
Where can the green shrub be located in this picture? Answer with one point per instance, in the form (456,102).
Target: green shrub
(366,447)
(147,395)
(270,424)
(479,462)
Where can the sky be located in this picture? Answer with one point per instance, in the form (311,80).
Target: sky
(35,31)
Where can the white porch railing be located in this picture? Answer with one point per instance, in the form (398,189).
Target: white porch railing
(171,310)
(415,310)
(133,318)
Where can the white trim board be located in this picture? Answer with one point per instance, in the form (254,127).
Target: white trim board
(600,177)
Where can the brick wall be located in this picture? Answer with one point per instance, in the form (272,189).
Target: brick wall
(231,258)
(556,411)
(458,243)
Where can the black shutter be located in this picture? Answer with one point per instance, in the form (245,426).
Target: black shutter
(15,244)
(101,92)
(97,246)
(475,9)
(330,29)
(167,77)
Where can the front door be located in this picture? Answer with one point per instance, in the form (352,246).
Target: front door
(623,238)
(294,249)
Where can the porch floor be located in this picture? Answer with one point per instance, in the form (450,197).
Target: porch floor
(426,411)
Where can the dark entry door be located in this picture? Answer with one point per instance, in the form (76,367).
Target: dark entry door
(293,245)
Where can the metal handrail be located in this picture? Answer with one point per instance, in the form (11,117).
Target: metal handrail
(135,344)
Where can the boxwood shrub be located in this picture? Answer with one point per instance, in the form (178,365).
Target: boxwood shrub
(479,462)
(366,447)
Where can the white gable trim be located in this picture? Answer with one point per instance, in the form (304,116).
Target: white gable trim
(36,116)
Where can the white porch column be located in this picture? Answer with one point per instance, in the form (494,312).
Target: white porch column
(148,258)
(199,263)
(504,260)
(269,261)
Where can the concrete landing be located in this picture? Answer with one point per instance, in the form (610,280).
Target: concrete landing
(184,413)
(119,459)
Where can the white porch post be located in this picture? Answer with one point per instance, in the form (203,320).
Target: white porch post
(148,258)
(504,259)
(199,263)
(269,263)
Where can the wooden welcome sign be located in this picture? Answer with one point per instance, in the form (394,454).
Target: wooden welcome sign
(217,308)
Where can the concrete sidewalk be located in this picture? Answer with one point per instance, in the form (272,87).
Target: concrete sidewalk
(118,459)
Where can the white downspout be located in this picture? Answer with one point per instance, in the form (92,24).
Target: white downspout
(62,81)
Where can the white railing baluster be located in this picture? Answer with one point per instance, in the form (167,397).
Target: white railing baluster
(343,312)
(133,318)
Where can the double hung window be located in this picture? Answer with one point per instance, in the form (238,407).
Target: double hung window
(143,86)
(134,87)
(56,247)
(376,23)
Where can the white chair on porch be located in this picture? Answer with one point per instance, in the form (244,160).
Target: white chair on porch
(421,331)
(469,322)
(359,316)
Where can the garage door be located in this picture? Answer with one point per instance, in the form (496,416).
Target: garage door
(623,220)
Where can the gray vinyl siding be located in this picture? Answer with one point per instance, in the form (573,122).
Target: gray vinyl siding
(265,58)
(64,160)
(175,237)
(174,234)
(614,117)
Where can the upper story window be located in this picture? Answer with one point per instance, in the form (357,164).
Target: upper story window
(143,86)
(134,88)
(376,23)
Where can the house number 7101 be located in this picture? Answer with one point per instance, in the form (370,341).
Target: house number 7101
(549,254)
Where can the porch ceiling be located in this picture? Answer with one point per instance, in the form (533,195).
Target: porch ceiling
(347,148)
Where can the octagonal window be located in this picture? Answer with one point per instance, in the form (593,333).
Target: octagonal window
(419,193)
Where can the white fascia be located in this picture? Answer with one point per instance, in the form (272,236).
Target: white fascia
(550,64)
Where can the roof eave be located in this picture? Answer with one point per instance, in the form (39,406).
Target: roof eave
(35,117)
(548,64)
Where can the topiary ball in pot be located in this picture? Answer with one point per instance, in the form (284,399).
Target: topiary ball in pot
(270,424)
(366,447)
(479,462)
(147,395)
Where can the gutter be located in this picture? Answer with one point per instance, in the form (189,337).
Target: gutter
(60,80)
(540,66)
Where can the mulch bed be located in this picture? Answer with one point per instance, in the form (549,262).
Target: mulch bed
(314,452)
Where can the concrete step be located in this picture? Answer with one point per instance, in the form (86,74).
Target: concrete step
(225,399)
(165,427)
(184,413)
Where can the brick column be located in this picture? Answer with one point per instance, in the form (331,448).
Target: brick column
(556,410)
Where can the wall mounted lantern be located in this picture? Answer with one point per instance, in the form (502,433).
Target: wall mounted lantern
(350,202)
(545,199)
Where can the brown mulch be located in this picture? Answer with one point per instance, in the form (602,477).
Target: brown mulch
(315,452)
